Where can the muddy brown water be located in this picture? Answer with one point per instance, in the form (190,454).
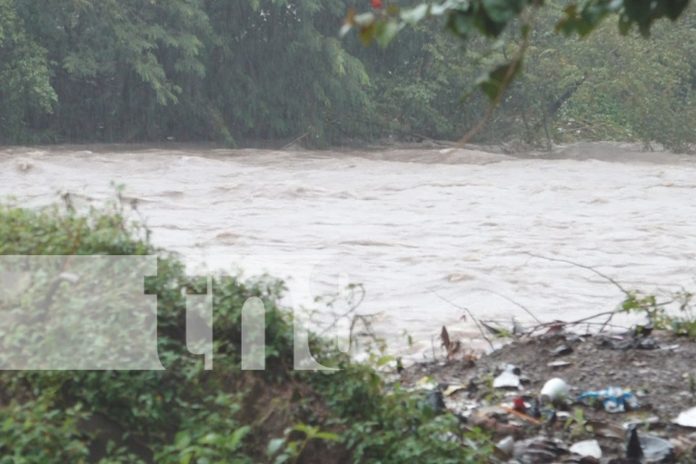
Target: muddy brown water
(413,225)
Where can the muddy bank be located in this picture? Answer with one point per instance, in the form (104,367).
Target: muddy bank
(655,372)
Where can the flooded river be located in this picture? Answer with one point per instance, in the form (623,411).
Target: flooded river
(426,231)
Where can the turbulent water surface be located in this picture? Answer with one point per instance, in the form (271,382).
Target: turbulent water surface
(427,231)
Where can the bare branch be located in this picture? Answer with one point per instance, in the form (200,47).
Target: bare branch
(582,266)
(519,305)
(471,315)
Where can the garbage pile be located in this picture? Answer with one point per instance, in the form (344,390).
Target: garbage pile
(562,397)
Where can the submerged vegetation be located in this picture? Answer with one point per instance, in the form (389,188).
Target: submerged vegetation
(189,70)
(188,415)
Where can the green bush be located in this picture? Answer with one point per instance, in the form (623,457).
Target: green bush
(187,415)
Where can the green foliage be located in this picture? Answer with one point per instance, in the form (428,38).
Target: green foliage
(25,88)
(290,449)
(391,425)
(180,70)
(138,70)
(659,314)
(187,415)
(36,432)
(492,18)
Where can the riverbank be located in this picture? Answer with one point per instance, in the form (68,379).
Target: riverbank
(653,374)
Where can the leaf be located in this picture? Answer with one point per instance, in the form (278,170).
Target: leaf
(238,435)
(327,436)
(386,31)
(275,445)
(460,23)
(502,11)
(497,81)
(182,440)
(444,336)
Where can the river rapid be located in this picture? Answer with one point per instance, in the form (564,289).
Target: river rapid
(427,231)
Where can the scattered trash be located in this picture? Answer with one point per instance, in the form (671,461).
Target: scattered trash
(559,364)
(535,411)
(539,449)
(452,389)
(634,450)
(638,421)
(627,343)
(555,390)
(520,410)
(426,383)
(671,347)
(506,445)
(435,400)
(493,419)
(656,449)
(519,405)
(613,399)
(587,448)
(642,330)
(606,430)
(684,445)
(551,422)
(647,343)
(509,378)
(537,419)
(686,418)
(561,350)
(648,448)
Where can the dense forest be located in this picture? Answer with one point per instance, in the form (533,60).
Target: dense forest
(231,71)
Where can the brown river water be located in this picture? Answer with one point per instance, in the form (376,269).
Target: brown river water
(414,226)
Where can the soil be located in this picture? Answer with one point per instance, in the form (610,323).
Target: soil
(659,369)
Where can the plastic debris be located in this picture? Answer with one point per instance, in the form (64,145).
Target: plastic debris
(506,445)
(627,343)
(656,449)
(492,419)
(435,400)
(606,430)
(686,418)
(426,383)
(587,448)
(452,389)
(509,378)
(555,390)
(519,405)
(559,364)
(634,450)
(539,449)
(561,350)
(639,421)
(613,399)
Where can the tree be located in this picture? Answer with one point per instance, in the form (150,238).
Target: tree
(24,75)
(491,18)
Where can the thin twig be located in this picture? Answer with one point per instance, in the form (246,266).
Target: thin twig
(582,266)
(471,315)
(524,308)
(584,320)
